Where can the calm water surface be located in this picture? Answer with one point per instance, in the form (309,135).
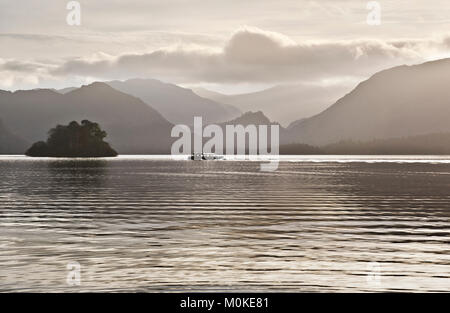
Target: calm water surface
(154,224)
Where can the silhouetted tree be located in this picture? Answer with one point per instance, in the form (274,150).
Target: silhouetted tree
(74,140)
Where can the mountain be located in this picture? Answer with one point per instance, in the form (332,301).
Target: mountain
(65,90)
(10,143)
(252,118)
(178,105)
(399,102)
(132,125)
(283,104)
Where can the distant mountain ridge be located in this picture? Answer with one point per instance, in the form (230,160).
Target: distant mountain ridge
(178,105)
(66,90)
(285,103)
(401,102)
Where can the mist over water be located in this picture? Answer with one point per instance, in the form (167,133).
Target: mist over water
(155,224)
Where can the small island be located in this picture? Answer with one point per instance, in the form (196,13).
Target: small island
(72,141)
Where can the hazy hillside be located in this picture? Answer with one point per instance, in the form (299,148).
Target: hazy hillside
(132,125)
(10,143)
(402,101)
(178,105)
(283,104)
(209,94)
(255,118)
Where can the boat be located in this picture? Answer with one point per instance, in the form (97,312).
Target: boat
(212,156)
(205,156)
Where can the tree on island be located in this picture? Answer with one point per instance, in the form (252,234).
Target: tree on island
(73,140)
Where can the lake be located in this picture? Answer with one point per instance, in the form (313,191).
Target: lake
(149,223)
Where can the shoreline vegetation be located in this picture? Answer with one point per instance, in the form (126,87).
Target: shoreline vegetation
(86,140)
(429,144)
(74,140)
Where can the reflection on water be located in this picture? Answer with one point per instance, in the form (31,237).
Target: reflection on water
(153,224)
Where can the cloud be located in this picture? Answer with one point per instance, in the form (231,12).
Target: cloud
(17,66)
(251,55)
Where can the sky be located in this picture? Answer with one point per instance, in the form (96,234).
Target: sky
(231,46)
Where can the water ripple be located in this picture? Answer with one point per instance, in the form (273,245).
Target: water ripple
(152,224)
